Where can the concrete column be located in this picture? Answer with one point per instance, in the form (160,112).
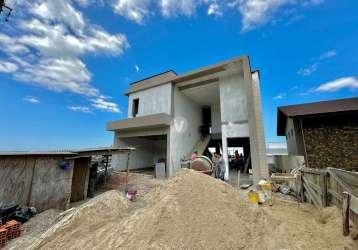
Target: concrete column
(256,129)
(259,125)
(225,156)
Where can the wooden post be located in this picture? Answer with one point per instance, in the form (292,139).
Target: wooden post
(302,188)
(238,179)
(127,170)
(345,212)
(323,187)
(105,171)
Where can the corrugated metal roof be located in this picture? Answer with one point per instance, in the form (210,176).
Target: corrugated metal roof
(339,105)
(87,151)
(14,153)
(314,108)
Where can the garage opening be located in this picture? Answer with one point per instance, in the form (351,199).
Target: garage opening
(150,155)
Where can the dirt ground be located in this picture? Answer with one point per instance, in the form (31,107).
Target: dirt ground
(193,211)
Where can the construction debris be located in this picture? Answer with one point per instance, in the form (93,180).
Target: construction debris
(192,211)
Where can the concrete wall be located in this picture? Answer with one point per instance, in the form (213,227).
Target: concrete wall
(184,130)
(233,109)
(256,125)
(294,137)
(284,163)
(152,101)
(146,154)
(35,181)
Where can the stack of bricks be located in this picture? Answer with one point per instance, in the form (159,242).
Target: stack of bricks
(3,237)
(9,231)
(13,228)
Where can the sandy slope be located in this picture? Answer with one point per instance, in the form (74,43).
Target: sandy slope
(194,211)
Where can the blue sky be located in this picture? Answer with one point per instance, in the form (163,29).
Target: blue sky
(65,64)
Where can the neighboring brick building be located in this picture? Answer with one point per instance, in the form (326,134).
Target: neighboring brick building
(325,133)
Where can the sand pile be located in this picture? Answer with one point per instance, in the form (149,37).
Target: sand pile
(84,226)
(191,211)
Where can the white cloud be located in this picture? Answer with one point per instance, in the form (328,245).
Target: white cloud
(134,10)
(338,84)
(214,9)
(10,45)
(328,54)
(317,61)
(308,70)
(82,109)
(136,67)
(48,42)
(178,7)
(59,75)
(32,99)
(279,96)
(101,104)
(312,2)
(7,67)
(139,10)
(256,13)
(84,3)
(59,11)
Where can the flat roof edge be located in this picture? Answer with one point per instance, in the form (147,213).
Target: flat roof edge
(193,74)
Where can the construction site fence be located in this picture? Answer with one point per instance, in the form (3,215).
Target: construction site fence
(331,187)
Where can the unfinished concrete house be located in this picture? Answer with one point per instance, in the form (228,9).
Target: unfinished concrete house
(170,116)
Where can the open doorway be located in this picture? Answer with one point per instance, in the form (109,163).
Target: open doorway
(240,146)
(239,160)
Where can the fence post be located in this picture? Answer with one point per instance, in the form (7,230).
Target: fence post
(345,212)
(302,189)
(323,186)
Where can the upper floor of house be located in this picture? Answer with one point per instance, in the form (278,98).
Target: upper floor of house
(155,94)
(152,95)
(217,94)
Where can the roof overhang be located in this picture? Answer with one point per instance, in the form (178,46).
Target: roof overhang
(140,123)
(36,153)
(102,151)
(71,153)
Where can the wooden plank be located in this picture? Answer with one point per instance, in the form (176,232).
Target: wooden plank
(335,194)
(340,181)
(354,204)
(350,178)
(312,195)
(323,186)
(345,213)
(302,189)
(312,171)
(312,185)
